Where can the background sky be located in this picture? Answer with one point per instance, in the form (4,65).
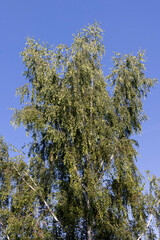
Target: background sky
(128,26)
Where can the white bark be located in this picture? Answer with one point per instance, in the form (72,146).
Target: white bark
(89,234)
(4,231)
(34,189)
(146,227)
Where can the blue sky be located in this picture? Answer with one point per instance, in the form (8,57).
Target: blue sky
(128,26)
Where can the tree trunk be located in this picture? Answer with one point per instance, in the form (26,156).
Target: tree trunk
(89,234)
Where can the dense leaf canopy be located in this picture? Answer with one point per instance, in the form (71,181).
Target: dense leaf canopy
(81,181)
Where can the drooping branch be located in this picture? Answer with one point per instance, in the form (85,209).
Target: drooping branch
(34,189)
(89,230)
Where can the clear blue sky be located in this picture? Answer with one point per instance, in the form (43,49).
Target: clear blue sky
(128,26)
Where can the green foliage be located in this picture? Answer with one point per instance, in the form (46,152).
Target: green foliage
(81,181)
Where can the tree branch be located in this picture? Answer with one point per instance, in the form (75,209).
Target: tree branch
(4,231)
(34,189)
(101,175)
(146,227)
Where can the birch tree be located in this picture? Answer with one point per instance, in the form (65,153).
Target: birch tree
(82,157)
